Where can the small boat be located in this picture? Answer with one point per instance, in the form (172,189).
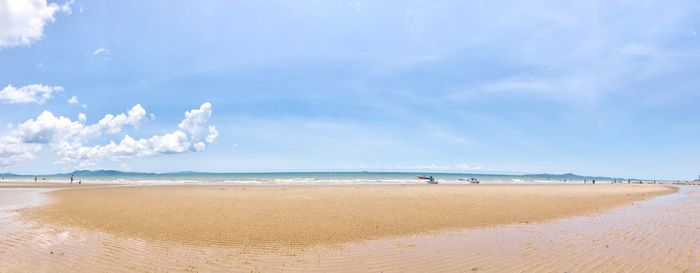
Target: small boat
(470,180)
(431,179)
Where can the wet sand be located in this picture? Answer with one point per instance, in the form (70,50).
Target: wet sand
(302,216)
(45,185)
(661,234)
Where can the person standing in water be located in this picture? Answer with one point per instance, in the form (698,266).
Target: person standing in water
(71,179)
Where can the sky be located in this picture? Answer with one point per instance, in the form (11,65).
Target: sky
(590,87)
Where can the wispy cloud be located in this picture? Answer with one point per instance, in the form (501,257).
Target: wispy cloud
(461,167)
(355,4)
(99,51)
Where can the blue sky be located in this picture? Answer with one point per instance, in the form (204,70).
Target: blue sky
(591,87)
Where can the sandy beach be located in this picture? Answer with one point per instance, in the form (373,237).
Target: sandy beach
(292,216)
(381,228)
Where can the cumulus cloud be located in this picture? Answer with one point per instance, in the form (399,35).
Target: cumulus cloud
(34,93)
(113,124)
(68,137)
(195,125)
(49,129)
(193,135)
(13,151)
(22,22)
(74,101)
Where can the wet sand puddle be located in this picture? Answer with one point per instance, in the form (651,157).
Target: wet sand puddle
(658,235)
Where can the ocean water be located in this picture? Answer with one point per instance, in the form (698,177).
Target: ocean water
(306,178)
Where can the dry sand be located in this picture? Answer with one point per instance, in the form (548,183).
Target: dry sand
(304,216)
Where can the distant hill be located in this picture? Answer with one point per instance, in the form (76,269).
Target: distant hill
(104,173)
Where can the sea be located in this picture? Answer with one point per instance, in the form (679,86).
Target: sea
(306,178)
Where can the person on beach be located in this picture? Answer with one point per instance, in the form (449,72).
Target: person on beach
(71,179)
(593,181)
(35,179)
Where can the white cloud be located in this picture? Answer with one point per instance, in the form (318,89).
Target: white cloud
(99,51)
(68,137)
(113,124)
(194,135)
(195,125)
(73,100)
(519,83)
(12,151)
(22,21)
(34,93)
(573,88)
(58,133)
(49,129)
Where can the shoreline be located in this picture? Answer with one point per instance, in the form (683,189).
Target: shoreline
(302,216)
(49,185)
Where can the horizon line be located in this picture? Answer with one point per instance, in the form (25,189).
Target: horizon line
(339,171)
